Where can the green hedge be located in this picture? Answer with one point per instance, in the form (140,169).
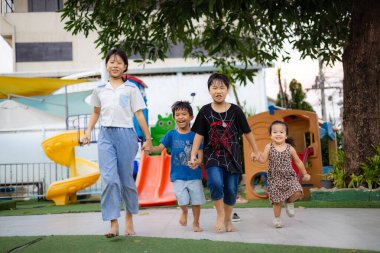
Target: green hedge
(345,194)
(8,205)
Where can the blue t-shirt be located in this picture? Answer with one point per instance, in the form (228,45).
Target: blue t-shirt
(180,145)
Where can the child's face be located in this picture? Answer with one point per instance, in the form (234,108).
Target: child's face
(278,133)
(218,91)
(115,66)
(182,119)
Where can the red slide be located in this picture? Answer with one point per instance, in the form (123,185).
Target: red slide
(153,181)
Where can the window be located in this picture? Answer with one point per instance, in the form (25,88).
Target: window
(44,5)
(36,52)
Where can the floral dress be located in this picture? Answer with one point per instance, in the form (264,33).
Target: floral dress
(282,179)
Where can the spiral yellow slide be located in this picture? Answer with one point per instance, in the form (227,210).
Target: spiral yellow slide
(83,173)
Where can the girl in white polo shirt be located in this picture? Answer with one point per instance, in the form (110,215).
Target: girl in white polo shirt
(116,102)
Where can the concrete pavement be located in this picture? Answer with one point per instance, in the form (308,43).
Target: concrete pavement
(325,227)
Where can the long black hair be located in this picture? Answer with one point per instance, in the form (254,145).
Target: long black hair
(288,140)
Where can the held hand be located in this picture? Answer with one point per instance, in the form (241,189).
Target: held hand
(86,139)
(306,177)
(254,156)
(193,163)
(147,147)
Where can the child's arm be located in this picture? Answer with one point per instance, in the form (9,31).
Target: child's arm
(252,142)
(198,139)
(263,157)
(199,160)
(86,139)
(300,165)
(200,157)
(147,147)
(158,149)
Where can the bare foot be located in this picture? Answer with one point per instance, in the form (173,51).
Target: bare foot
(114,229)
(183,219)
(196,227)
(230,227)
(219,225)
(129,229)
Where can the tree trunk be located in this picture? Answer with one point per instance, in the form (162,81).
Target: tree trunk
(282,93)
(361,85)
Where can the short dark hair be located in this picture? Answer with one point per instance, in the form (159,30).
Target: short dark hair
(119,52)
(182,105)
(218,77)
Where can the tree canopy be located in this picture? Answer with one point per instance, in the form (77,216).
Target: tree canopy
(297,97)
(233,35)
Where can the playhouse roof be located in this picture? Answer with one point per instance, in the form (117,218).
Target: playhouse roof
(17,116)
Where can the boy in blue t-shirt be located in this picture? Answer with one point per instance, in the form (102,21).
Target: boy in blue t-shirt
(187,182)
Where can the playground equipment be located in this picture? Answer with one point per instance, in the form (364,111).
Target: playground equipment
(141,86)
(83,173)
(304,128)
(153,181)
(153,178)
(163,125)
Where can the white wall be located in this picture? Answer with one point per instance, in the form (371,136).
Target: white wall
(163,91)
(25,147)
(6,57)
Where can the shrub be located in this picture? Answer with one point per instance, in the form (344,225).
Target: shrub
(371,170)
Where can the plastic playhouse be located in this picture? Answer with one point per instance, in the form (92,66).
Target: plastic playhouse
(304,128)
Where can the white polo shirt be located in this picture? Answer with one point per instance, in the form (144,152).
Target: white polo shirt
(117,105)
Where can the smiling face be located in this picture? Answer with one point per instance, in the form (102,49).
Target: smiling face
(218,91)
(116,66)
(182,119)
(278,133)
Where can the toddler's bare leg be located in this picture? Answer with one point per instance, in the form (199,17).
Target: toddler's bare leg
(196,214)
(227,218)
(277,210)
(183,219)
(219,224)
(129,229)
(295,197)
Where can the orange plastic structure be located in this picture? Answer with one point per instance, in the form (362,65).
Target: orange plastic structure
(153,181)
(83,173)
(303,127)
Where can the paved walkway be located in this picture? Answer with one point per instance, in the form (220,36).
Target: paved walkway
(325,227)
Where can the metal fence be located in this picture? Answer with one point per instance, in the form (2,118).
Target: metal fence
(32,180)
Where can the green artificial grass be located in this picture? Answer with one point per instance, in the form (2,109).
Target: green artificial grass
(99,244)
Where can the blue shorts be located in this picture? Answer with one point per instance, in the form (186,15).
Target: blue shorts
(189,192)
(222,185)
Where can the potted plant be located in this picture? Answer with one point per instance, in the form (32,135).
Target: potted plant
(327,180)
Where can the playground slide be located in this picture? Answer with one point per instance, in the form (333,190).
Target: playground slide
(83,173)
(153,181)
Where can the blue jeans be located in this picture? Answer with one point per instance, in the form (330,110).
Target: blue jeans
(222,185)
(117,150)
